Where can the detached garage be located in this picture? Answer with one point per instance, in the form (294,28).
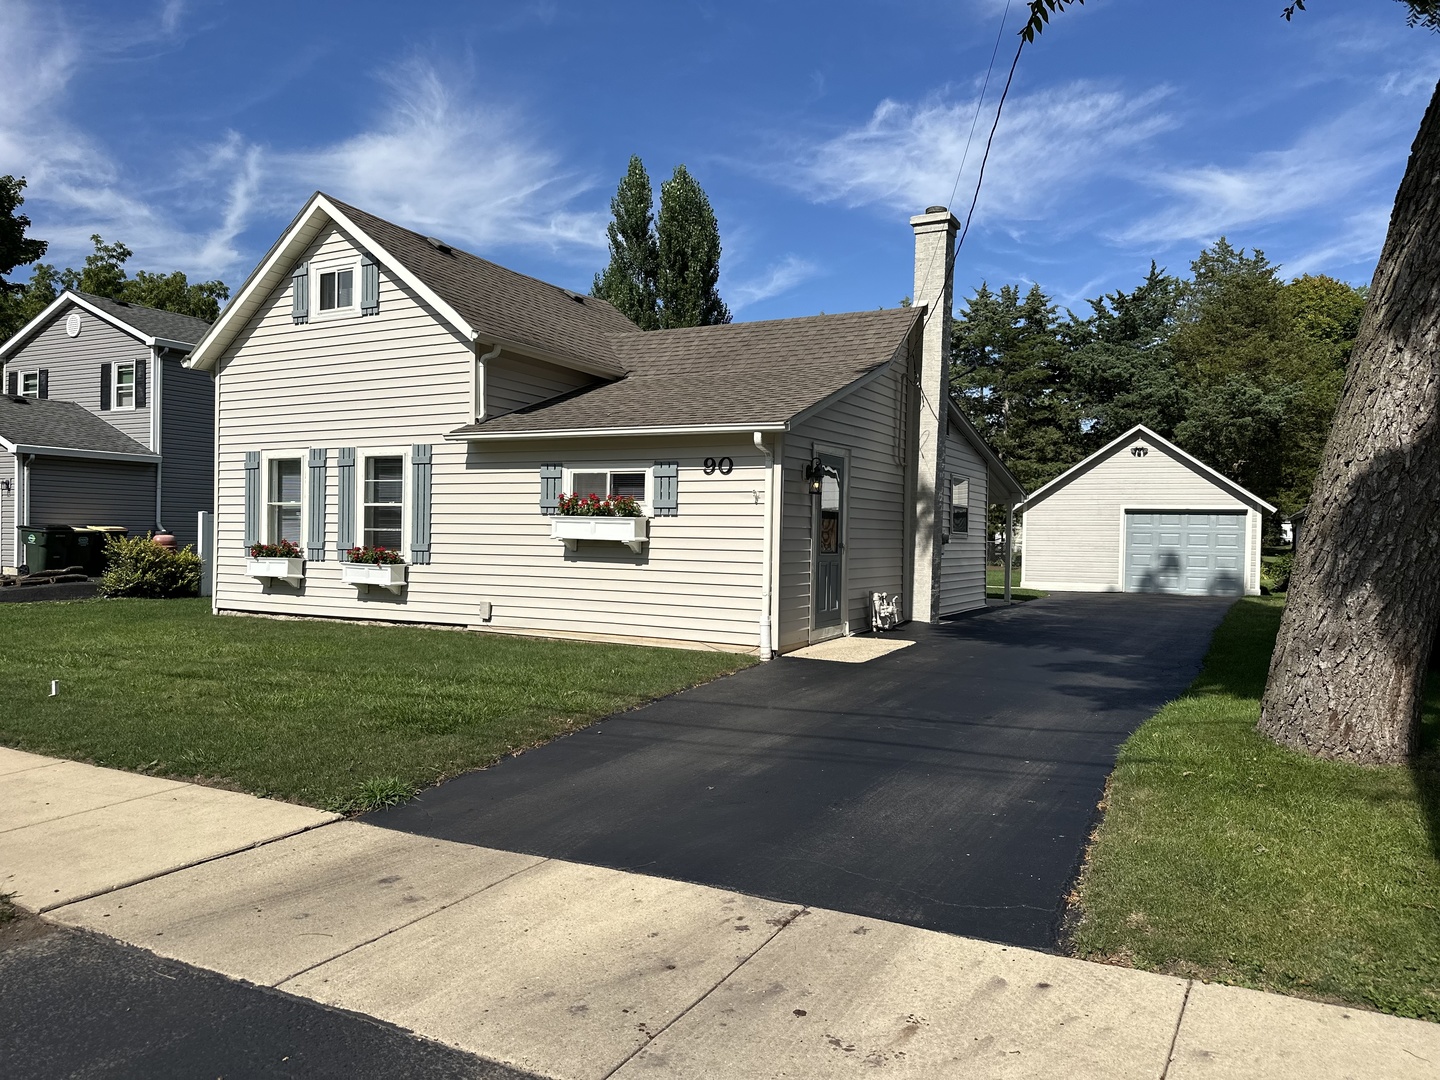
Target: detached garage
(1141,515)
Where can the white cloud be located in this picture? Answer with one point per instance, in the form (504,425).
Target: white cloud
(779,278)
(1358,241)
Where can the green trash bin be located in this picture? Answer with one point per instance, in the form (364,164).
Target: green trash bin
(48,547)
(98,535)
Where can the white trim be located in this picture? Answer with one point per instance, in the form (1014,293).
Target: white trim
(20,382)
(598,433)
(850,387)
(268,458)
(152,402)
(39,322)
(336,265)
(992,463)
(407,479)
(115,366)
(70,451)
(1248,497)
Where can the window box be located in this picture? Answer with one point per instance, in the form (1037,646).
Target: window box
(384,575)
(291,570)
(633,532)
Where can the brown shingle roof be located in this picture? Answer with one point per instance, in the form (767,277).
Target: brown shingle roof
(739,373)
(522,310)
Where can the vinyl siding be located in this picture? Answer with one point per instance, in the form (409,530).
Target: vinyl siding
(513,382)
(74,366)
(73,491)
(8,523)
(1074,537)
(866,423)
(962,560)
(187,443)
(401,377)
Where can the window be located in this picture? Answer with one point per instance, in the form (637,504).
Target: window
(959,506)
(384,501)
(124,385)
(609,483)
(337,290)
(283,500)
(30,383)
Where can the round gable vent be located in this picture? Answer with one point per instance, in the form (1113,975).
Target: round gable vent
(72,324)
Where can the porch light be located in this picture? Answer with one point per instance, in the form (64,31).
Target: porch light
(815,476)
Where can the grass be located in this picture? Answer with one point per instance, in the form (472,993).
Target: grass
(8,911)
(1224,857)
(995,585)
(330,714)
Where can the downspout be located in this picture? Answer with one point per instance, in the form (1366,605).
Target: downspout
(477,403)
(157,364)
(766,652)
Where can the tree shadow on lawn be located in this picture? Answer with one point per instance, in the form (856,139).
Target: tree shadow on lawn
(1426,765)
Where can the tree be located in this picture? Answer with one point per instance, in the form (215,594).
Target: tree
(663,277)
(630,281)
(16,249)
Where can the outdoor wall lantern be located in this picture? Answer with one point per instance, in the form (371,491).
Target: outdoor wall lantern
(815,476)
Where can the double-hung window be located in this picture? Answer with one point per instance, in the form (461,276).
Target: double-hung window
(30,383)
(283,500)
(609,483)
(124,393)
(384,502)
(337,289)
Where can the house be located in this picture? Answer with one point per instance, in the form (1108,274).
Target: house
(102,424)
(1142,515)
(380,388)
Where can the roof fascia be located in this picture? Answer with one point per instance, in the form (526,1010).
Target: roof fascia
(1140,429)
(39,322)
(993,463)
(460,435)
(6,445)
(856,384)
(72,451)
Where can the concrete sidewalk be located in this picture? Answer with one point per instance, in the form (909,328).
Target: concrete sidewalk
(575,971)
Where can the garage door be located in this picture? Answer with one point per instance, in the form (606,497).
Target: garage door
(1193,554)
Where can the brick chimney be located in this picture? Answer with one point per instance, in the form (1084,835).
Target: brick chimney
(934,288)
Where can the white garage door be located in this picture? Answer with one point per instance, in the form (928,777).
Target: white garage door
(1193,554)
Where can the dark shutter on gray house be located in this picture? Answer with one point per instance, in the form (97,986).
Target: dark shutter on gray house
(252,497)
(12,383)
(315,523)
(140,367)
(369,286)
(420,504)
(104,387)
(44,382)
(550,477)
(666,502)
(344,502)
(300,294)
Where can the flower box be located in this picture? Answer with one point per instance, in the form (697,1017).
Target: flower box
(291,570)
(384,575)
(633,532)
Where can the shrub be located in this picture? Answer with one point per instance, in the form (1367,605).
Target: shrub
(137,566)
(1278,571)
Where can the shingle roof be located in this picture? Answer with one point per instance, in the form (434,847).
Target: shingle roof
(152,322)
(522,310)
(738,373)
(49,422)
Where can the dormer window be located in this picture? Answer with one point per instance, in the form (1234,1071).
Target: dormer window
(337,289)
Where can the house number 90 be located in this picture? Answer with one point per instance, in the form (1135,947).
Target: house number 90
(724,465)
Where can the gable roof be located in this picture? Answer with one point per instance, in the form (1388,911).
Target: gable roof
(760,375)
(997,468)
(1115,445)
(150,325)
(480,299)
(36,424)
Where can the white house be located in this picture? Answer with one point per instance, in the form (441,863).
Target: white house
(377,387)
(1142,515)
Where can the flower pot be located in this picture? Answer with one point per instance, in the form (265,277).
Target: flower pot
(291,570)
(633,532)
(383,575)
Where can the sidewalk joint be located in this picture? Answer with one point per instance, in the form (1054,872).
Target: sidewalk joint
(1175,1038)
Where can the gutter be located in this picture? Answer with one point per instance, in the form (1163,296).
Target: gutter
(96,455)
(596,433)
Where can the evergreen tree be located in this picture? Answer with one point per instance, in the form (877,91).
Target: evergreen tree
(689,246)
(630,281)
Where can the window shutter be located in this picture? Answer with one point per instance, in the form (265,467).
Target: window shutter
(300,294)
(550,477)
(104,387)
(420,504)
(369,286)
(44,382)
(666,502)
(252,497)
(12,383)
(140,384)
(315,526)
(344,502)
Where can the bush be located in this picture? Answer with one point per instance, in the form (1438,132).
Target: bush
(137,566)
(1278,570)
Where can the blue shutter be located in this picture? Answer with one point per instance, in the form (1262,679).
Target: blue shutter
(315,525)
(344,502)
(140,384)
(550,477)
(300,294)
(369,286)
(666,502)
(252,498)
(420,504)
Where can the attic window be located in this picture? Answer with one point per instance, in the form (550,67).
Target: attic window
(337,290)
(30,384)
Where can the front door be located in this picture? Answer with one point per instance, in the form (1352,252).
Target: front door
(829,585)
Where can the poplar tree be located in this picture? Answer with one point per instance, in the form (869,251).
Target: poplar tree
(629,282)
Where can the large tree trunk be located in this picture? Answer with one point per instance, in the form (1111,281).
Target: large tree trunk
(1347,677)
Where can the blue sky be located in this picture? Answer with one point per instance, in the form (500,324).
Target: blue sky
(193,130)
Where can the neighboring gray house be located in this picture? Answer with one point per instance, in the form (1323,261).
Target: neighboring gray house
(102,424)
(377,387)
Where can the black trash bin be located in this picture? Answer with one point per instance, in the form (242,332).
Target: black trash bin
(98,535)
(48,547)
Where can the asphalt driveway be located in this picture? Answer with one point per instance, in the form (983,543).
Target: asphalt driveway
(949,785)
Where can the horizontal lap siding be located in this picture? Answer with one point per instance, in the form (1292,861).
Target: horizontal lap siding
(864,422)
(512,383)
(73,491)
(187,442)
(400,377)
(1073,537)
(8,524)
(962,560)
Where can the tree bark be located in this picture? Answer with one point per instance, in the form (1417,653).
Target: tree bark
(1348,672)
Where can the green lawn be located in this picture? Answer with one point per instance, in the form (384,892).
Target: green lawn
(1224,857)
(995,585)
(331,714)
